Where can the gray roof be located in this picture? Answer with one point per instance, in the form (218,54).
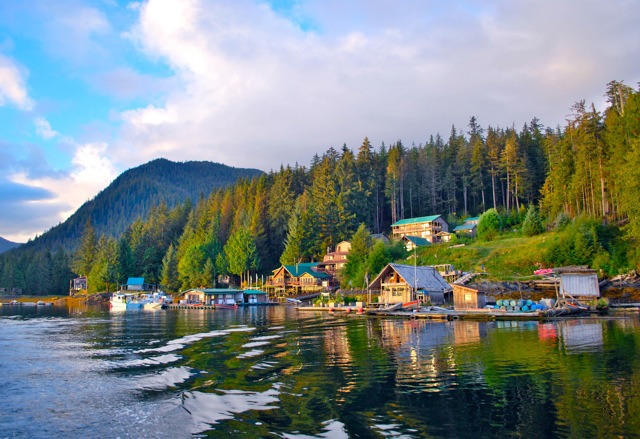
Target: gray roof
(426,278)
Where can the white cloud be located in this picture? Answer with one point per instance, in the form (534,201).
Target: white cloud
(256,90)
(43,128)
(91,172)
(12,85)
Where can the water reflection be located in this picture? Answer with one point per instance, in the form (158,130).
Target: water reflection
(274,372)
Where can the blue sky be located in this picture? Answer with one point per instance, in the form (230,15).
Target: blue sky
(90,88)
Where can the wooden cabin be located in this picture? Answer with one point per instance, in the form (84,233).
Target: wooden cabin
(299,279)
(334,261)
(404,283)
(468,298)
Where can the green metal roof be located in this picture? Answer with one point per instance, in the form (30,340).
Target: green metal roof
(254,292)
(214,290)
(422,219)
(300,269)
(475,218)
(465,227)
(418,241)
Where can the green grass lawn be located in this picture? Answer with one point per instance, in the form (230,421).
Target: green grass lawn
(508,257)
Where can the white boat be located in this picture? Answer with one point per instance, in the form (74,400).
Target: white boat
(122,301)
(127,301)
(155,300)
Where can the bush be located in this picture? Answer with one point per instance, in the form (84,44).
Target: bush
(489,225)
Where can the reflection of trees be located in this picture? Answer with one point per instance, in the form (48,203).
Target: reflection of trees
(314,372)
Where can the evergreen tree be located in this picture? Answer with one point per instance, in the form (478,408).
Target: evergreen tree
(241,253)
(169,275)
(85,253)
(532,224)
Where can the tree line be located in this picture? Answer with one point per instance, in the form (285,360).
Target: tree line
(296,213)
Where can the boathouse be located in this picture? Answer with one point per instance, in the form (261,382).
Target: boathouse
(255,296)
(212,296)
(404,283)
(468,298)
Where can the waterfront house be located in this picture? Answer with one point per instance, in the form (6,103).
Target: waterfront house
(212,296)
(428,227)
(404,283)
(334,261)
(468,298)
(78,284)
(298,279)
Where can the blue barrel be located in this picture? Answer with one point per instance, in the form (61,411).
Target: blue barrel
(529,302)
(503,307)
(512,303)
(520,302)
(517,308)
(525,308)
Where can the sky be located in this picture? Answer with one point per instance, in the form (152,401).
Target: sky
(91,88)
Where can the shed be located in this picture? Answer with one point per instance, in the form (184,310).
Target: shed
(135,284)
(468,298)
(582,284)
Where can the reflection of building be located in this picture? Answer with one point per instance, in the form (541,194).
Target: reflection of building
(465,331)
(468,298)
(428,227)
(581,336)
(334,261)
(404,283)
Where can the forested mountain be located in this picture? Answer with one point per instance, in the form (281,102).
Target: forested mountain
(134,192)
(6,245)
(587,169)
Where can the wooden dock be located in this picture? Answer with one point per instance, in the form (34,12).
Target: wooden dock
(439,313)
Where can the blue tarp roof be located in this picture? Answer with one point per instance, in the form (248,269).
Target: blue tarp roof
(135,281)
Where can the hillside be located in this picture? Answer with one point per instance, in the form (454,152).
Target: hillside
(7,245)
(135,191)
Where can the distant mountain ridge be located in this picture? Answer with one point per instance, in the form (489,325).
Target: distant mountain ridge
(7,245)
(135,191)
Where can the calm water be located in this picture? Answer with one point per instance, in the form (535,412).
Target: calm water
(274,372)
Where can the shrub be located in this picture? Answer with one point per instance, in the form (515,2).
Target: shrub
(489,225)
(532,224)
